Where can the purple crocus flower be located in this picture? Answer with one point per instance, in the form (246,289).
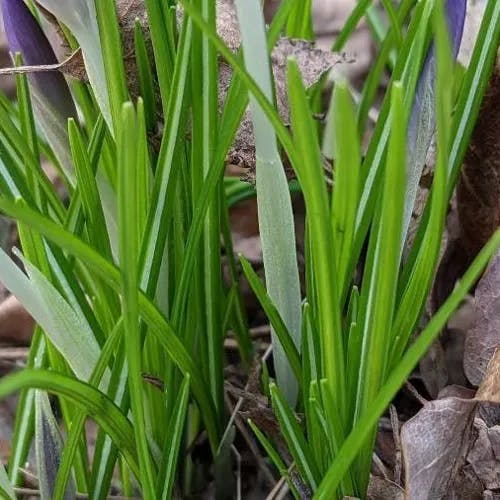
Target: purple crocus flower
(25,36)
(52,100)
(422,120)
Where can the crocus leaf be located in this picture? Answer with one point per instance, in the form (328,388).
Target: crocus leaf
(48,445)
(80,17)
(6,490)
(67,330)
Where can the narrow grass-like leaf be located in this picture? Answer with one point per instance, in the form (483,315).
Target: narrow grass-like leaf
(88,189)
(300,23)
(168,469)
(149,311)
(270,450)
(112,53)
(422,276)
(24,424)
(129,243)
(276,222)
(372,82)
(347,154)
(295,439)
(95,403)
(382,282)
(152,249)
(274,317)
(6,489)
(401,372)
(77,426)
(323,253)
(381,274)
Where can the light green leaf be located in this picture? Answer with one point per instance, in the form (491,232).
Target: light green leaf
(80,17)
(6,490)
(67,330)
(274,203)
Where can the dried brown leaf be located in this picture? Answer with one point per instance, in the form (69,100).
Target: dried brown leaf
(433,370)
(435,443)
(484,455)
(380,488)
(489,390)
(484,337)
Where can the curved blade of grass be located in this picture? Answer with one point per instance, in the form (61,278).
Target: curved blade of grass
(402,371)
(68,331)
(96,404)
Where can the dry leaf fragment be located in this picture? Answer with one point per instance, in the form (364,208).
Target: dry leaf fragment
(380,488)
(483,338)
(435,443)
(489,390)
(484,455)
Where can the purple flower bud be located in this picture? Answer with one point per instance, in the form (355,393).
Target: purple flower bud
(25,36)
(422,120)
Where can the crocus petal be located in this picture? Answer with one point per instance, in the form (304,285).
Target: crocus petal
(81,18)
(422,120)
(24,35)
(52,99)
